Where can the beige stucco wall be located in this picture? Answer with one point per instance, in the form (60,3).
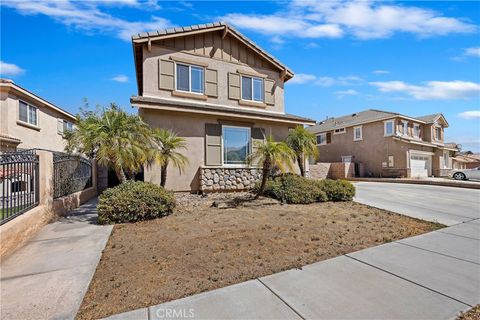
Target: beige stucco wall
(43,136)
(151,77)
(191,126)
(371,151)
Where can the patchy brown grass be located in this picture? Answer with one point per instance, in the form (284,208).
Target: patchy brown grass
(472,314)
(201,248)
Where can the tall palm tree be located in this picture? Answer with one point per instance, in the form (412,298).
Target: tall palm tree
(167,142)
(269,154)
(114,138)
(304,144)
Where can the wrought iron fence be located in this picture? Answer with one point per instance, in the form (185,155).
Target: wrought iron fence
(71,174)
(19,183)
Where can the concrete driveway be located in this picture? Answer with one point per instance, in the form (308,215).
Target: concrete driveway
(446,205)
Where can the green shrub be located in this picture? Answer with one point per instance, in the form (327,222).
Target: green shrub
(134,201)
(294,189)
(337,190)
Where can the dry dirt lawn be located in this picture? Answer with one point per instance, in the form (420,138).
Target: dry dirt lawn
(199,248)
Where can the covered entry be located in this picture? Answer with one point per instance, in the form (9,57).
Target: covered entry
(420,164)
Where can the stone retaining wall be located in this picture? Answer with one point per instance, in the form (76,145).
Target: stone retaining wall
(222,179)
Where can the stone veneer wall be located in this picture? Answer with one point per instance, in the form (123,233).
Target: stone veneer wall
(222,179)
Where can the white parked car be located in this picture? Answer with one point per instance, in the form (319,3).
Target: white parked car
(464,174)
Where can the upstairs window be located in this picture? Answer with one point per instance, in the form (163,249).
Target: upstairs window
(357,133)
(27,113)
(338,131)
(438,133)
(322,139)
(416,130)
(190,78)
(252,89)
(389,127)
(405,128)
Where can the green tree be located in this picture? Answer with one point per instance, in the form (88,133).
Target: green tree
(113,138)
(167,142)
(270,154)
(304,144)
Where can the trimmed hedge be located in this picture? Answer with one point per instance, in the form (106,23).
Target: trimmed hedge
(337,190)
(295,189)
(134,201)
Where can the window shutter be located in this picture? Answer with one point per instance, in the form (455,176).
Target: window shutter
(269,92)
(60,126)
(166,77)
(329,137)
(233,86)
(258,136)
(211,83)
(213,144)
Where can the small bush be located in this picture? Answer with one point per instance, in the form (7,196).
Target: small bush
(294,189)
(337,190)
(134,201)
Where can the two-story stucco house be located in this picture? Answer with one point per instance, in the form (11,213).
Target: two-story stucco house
(218,90)
(387,144)
(28,121)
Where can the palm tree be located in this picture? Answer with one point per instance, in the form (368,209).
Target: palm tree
(113,138)
(304,144)
(167,142)
(271,154)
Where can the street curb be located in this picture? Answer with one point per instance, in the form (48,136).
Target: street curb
(422,182)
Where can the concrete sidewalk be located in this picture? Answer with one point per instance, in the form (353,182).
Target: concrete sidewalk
(49,276)
(431,276)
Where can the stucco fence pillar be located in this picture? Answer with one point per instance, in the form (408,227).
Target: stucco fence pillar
(331,170)
(16,232)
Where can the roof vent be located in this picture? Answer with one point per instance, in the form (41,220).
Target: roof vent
(355,114)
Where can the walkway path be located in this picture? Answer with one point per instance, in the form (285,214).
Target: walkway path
(48,277)
(431,276)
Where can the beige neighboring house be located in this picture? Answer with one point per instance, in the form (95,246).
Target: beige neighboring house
(28,121)
(218,90)
(466,161)
(387,144)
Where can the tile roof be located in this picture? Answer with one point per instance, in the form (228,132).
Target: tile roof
(365,116)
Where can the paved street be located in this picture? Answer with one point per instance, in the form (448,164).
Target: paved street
(431,276)
(48,277)
(446,205)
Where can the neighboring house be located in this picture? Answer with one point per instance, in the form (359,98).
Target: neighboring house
(466,161)
(387,144)
(219,91)
(28,121)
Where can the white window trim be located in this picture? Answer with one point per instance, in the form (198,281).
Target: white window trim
(361,133)
(392,162)
(404,127)
(236,165)
(385,134)
(325,141)
(349,158)
(446,163)
(416,125)
(189,78)
(241,89)
(340,132)
(28,113)
(435,133)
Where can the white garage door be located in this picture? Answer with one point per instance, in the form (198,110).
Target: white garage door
(419,165)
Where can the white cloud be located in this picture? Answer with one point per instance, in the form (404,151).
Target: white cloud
(474,114)
(362,19)
(301,78)
(120,78)
(381,71)
(342,93)
(432,90)
(10,69)
(338,81)
(88,15)
(474,52)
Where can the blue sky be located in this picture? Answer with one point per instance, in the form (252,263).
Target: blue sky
(416,58)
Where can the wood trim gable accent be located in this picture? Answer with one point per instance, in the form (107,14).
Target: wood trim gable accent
(188,61)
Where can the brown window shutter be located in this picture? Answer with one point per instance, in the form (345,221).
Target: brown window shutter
(258,136)
(269,91)
(166,79)
(213,144)
(329,137)
(233,86)
(211,83)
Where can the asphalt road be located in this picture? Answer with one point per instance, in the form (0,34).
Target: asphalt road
(446,205)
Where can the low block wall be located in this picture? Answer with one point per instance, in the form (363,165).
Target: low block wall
(333,170)
(222,179)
